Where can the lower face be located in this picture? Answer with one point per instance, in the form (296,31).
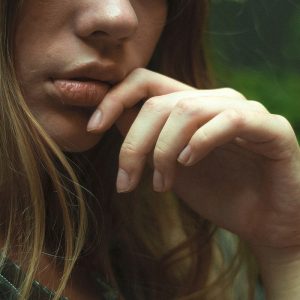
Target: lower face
(69,54)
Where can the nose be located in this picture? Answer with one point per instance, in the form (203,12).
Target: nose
(115,19)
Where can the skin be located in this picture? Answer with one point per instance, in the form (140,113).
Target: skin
(54,37)
(242,171)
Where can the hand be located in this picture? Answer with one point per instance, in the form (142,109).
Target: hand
(243,171)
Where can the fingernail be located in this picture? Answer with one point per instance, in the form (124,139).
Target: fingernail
(185,155)
(95,120)
(158,181)
(123,181)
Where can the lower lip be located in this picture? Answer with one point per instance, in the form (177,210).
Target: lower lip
(81,93)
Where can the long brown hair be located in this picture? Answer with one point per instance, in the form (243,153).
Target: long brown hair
(148,245)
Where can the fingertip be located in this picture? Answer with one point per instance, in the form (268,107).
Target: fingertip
(185,156)
(95,121)
(123,181)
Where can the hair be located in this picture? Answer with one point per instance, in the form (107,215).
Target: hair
(148,245)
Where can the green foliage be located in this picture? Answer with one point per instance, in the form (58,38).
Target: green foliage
(291,45)
(280,93)
(255,48)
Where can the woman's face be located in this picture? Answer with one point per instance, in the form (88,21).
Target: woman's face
(70,53)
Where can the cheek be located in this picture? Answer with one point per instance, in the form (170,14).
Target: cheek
(40,25)
(150,29)
(40,47)
(152,17)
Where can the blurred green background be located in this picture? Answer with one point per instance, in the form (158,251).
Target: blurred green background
(255,48)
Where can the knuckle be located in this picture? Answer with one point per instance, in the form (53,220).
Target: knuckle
(113,104)
(235,117)
(160,154)
(187,107)
(257,106)
(286,129)
(284,138)
(154,104)
(232,93)
(203,137)
(138,75)
(113,101)
(282,120)
(138,72)
(128,149)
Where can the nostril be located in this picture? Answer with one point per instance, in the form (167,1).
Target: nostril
(98,34)
(117,22)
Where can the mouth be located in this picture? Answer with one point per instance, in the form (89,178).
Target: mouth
(81,91)
(87,84)
(83,79)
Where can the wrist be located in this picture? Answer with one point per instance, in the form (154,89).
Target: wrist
(280,271)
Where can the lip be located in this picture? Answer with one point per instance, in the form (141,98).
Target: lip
(87,93)
(86,85)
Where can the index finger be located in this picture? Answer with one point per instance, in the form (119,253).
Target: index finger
(140,84)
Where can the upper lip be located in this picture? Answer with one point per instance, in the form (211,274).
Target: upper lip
(93,72)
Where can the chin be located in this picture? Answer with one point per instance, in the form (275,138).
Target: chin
(77,143)
(68,130)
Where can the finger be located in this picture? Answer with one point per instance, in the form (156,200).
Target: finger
(142,84)
(124,122)
(185,119)
(149,127)
(138,85)
(154,105)
(139,142)
(252,127)
(141,137)
(128,116)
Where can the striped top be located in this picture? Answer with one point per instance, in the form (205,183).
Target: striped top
(9,289)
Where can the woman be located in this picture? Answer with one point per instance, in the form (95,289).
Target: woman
(80,110)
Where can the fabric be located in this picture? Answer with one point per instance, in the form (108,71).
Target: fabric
(11,274)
